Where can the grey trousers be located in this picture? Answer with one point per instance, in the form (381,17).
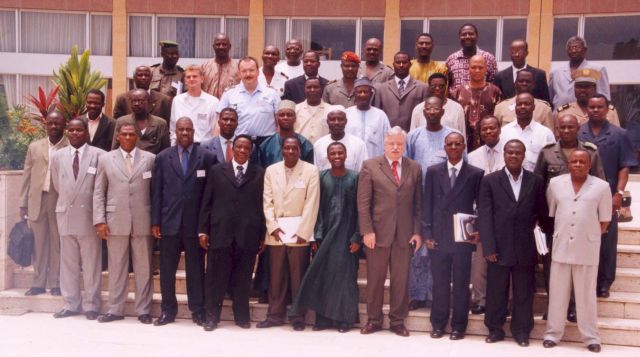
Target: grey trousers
(141,249)
(478,277)
(81,254)
(583,278)
(46,250)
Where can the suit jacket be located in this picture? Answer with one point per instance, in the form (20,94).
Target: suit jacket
(159,105)
(232,212)
(155,137)
(393,212)
(299,196)
(294,88)
(441,202)
(576,238)
(74,208)
(105,132)
(399,107)
(176,197)
(506,225)
(120,200)
(35,172)
(505,81)
(213,145)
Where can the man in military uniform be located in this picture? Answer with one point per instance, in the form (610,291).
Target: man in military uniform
(525,83)
(166,77)
(340,92)
(554,161)
(584,88)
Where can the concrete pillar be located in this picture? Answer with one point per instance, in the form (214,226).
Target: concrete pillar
(391,30)
(256,28)
(119,45)
(540,33)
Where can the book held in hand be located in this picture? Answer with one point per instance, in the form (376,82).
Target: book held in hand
(464,226)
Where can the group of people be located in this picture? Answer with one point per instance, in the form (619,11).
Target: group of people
(275,175)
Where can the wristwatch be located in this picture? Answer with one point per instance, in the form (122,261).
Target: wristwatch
(620,192)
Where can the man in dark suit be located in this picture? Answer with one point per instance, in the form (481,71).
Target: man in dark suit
(505,79)
(511,201)
(450,187)
(232,228)
(294,88)
(221,145)
(389,212)
(179,177)
(159,103)
(101,127)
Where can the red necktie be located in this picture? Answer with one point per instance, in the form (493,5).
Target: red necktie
(394,170)
(228,154)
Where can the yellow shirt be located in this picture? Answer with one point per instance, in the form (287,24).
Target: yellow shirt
(421,72)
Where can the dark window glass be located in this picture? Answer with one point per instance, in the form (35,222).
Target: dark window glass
(409,31)
(371,28)
(512,29)
(563,28)
(613,37)
(446,40)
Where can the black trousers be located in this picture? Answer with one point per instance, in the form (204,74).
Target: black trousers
(229,269)
(170,249)
(498,277)
(261,279)
(445,268)
(608,255)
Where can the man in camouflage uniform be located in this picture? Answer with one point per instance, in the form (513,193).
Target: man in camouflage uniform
(167,77)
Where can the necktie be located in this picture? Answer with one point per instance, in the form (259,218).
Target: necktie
(394,170)
(127,163)
(185,161)
(239,175)
(491,159)
(452,178)
(228,153)
(401,86)
(76,164)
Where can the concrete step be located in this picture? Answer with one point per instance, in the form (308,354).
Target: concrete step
(629,235)
(628,256)
(612,330)
(627,280)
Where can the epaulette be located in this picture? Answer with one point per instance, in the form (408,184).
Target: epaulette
(550,145)
(155,65)
(564,107)
(331,82)
(611,107)
(545,102)
(590,145)
(180,68)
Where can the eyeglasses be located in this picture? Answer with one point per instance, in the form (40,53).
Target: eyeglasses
(454,144)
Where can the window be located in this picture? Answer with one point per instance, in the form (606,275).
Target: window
(8,82)
(613,37)
(238,31)
(100,35)
(329,37)
(52,32)
(446,40)
(140,36)
(409,30)
(275,34)
(30,85)
(512,29)
(195,35)
(563,28)
(371,29)
(7,31)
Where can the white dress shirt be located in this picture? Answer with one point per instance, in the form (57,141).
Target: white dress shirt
(290,71)
(235,167)
(515,184)
(93,125)
(457,166)
(277,81)
(398,168)
(201,110)
(535,137)
(482,158)
(516,70)
(356,152)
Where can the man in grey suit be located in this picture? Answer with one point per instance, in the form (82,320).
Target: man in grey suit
(37,204)
(122,216)
(73,173)
(398,96)
(222,144)
(389,204)
(581,205)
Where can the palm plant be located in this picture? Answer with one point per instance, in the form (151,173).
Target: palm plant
(75,80)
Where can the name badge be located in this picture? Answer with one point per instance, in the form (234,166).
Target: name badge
(512,107)
(299,184)
(201,173)
(91,170)
(146,175)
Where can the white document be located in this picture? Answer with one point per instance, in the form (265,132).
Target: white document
(201,173)
(464,225)
(146,175)
(289,226)
(541,241)
(91,170)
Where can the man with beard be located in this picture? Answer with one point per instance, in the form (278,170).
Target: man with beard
(422,67)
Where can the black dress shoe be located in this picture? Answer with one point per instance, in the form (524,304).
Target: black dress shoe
(477,309)
(548,344)
(35,291)
(417,304)
(493,338)
(603,292)
(571,316)
(65,313)
(244,325)
(399,330)
(91,315)
(56,292)
(198,318)
(456,335)
(145,319)
(299,326)
(268,323)
(437,333)
(210,324)
(594,347)
(110,318)
(164,319)
(522,342)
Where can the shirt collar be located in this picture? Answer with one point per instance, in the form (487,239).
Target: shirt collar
(405,79)
(182,149)
(124,153)
(72,150)
(235,165)
(96,119)
(458,166)
(391,161)
(511,176)
(56,145)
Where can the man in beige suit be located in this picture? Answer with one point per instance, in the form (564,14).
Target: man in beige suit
(122,216)
(73,173)
(581,205)
(389,214)
(291,191)
(38,203)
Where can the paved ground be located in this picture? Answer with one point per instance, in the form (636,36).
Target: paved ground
(38,334)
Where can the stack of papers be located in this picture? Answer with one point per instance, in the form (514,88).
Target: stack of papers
(464,225)
(541,241)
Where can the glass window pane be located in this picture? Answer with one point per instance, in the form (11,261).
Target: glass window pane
(275,33)
(371,29)
(8,82)
(101,35)
(7,31)
(329,37)
(409,31)
(512,29)
(140,36)
(613,37)
(626,98)
(206,29)
(238,32)
(52,32)
(446,40)
(563,28)
(30,85)
(179,29)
